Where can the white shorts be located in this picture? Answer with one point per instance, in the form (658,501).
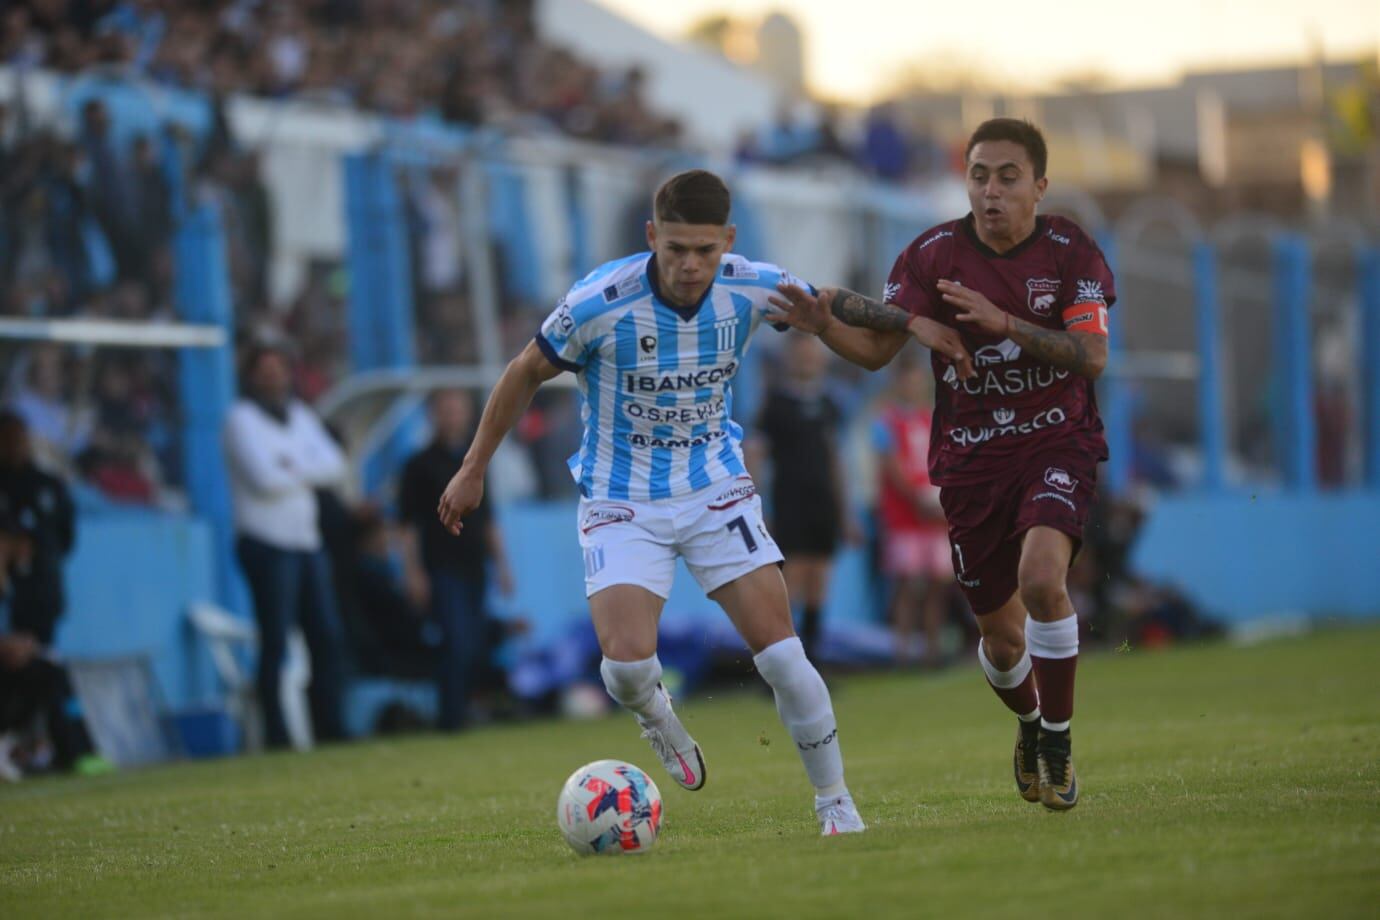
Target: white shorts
(718,531)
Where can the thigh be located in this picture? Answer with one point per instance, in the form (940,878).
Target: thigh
(316,609)
(756,603)
(722,536)
(273,587)
(626,543)
(1005,626)
(625,620)
(986,554)
(1058,494)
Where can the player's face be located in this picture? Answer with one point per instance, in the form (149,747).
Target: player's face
(1003,191)
(687,257)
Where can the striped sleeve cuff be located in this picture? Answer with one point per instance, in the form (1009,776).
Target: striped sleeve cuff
(549,351)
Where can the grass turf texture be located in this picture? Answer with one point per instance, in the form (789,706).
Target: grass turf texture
(1215,779)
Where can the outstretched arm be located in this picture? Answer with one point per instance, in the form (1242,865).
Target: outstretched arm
(865,331)
(509,400)
(1083,353)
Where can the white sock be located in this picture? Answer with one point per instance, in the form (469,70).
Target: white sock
(1005,680)
(803,702)
(633,685)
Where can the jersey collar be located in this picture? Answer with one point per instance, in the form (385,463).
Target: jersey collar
(685,313)
(970,230)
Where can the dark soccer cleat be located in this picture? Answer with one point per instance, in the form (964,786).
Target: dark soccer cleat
(1058,781)
(1025,762)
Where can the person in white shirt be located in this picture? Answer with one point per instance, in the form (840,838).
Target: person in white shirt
(279,454)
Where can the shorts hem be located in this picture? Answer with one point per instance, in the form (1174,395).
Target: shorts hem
(591,590)
(735,573)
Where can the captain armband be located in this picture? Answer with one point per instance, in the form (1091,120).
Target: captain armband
(1086,317)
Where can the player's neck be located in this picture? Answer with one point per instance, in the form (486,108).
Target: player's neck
(1005,242)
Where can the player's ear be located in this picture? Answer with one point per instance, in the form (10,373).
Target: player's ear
(1041,184)
(651,235)
(730,236)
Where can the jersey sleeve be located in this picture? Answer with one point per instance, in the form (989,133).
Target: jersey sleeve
(907,288)
(562,340)
(1091,287)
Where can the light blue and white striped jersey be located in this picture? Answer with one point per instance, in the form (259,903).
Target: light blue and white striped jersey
(654,378)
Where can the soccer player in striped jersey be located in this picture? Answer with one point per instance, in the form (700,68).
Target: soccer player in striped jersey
(654,341)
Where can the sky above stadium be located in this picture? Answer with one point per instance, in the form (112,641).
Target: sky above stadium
(856,50)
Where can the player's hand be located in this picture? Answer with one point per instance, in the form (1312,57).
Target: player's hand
(944,341)
(975,309)
(463,494)
(802,310)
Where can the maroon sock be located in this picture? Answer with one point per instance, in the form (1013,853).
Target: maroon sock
(1054,677)
(1020,699)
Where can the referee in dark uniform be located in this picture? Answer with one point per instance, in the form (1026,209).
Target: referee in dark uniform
(448,573)
(800,424)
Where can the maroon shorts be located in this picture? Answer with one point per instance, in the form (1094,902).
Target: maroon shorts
(988,520)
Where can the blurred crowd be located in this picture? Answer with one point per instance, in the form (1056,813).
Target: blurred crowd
(465,62)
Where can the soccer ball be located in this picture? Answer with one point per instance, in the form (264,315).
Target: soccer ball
(609,807)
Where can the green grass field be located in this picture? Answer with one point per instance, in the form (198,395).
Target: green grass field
(1216,781)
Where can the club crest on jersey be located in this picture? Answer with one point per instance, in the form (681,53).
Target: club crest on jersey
(727,332)
(1003,416)
(1041,294)
(1060,479)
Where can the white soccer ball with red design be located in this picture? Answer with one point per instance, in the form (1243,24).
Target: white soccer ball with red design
(609,806)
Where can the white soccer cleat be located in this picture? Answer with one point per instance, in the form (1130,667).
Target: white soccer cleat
(674,747)
(838,815)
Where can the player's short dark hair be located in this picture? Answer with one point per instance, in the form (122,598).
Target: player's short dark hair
(696,196)
(1017,131)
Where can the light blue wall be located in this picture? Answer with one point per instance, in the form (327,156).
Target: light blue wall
(1243,557)
(129,583)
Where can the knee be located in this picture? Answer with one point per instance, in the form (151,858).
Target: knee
(1004,648)
(630,682)
(1043,591)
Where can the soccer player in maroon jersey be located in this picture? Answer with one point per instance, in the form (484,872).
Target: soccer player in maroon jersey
(1013,307)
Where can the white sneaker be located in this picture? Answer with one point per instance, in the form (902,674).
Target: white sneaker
(674,747)
(838,815)
(9,771)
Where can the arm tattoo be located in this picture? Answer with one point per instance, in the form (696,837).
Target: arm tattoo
(856,310)
(1065,350)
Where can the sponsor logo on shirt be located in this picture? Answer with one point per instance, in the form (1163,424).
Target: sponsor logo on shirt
(643,440)
(740,491)
(561,320)
(1003,351)
(647,344)
(603,515)
(622,289)
(1041,294)
(1012,381)
(1004,416)
(1060,479)
(938,236)
(1090,291)
(967,436)
(891,292)
(735,270)
(672,415)
(692,380)
(1061,240)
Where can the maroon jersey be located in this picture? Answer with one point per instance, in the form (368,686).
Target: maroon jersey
(1017,405)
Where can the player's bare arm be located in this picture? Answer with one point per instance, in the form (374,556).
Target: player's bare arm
(509,400)
(1083,353)
(864,331)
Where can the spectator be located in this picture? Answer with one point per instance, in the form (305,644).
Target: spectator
(33,686)
(447,572)
(915,544)
(41,518)
(278,453)
(885,151)
(800,424)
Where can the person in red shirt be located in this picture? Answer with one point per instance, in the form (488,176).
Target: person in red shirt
(1013,307)
(914,544)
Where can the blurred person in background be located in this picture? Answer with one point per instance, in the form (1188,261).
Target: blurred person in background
(279,454)
(42,533)
(449,573)
(915,545)
(799,422)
